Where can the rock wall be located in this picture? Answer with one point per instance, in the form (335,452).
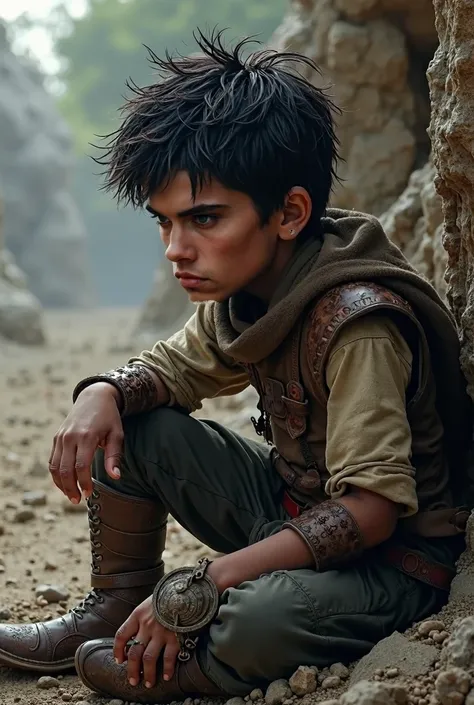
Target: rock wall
(415,223)
(451,83)
(43,227)
(21,317)
(374,53)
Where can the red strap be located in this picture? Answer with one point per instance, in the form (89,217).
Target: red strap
(290,506)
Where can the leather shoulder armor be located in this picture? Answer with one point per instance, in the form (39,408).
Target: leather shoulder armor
(338,306)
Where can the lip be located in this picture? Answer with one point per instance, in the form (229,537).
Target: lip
(188,280)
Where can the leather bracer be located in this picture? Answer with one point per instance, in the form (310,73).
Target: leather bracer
(134,382)
(331,533)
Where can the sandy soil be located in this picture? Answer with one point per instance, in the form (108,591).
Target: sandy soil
(52,546)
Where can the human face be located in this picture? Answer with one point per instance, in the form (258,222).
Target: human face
(216,243)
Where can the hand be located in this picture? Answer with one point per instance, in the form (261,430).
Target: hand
(142,626)
(93,421)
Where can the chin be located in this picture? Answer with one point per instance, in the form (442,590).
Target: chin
(197,297)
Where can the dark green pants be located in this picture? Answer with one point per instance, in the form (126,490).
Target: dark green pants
(222,489)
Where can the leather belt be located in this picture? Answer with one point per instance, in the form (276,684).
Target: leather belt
(404,559)
(417,566)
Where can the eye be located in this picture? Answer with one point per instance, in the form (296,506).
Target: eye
(204,219)
(160,219)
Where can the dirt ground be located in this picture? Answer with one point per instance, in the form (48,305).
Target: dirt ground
(49,543)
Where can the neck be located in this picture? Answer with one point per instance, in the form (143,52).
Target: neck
(264,285)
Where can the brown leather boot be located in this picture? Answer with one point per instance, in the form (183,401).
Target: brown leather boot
(97,669)
(127,539)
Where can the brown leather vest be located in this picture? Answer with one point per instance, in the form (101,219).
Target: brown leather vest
(293,402)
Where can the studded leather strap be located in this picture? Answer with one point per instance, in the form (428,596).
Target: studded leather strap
(134,382)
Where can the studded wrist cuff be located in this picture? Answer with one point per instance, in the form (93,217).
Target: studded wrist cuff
(185,601)
(331,533)
(135,384)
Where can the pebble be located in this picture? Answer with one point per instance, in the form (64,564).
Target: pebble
(392,672)
(277,692)
(256,694)
(430,625)
(47,682)
(115,701)
(66,697)
(5,613)
(23,515)
(232,701)
(35,498)
(50,565)
(303,681)
(331,682)
(2,529)
(452,686)
(329,702)
(52,593)
(338,669)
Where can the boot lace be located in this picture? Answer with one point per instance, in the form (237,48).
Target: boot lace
(94,596)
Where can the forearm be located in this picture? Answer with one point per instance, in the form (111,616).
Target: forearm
(136,388)
(336,536)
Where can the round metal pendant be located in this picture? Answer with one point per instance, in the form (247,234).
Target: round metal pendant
(181,605)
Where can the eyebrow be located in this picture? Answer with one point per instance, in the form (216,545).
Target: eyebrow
(195,210)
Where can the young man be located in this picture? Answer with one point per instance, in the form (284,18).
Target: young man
(341,530)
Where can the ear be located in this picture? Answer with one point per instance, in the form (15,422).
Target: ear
(295,213)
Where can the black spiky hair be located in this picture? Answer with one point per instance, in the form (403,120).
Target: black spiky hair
(252,122)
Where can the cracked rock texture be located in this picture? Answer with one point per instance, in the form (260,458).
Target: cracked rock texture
(373,54)
(43,226)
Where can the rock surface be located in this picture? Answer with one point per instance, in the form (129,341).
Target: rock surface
(43,227)
(374,55)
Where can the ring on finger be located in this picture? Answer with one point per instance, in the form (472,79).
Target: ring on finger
(137,642)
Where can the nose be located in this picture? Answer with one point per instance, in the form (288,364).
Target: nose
(179,246)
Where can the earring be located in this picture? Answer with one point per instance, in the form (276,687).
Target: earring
(292,231)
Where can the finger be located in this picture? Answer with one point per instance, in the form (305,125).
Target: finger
(135,659)
(84,457)
(150,659)
(113,454)
(169,658)
(126,632)
(67,473)
(54,462)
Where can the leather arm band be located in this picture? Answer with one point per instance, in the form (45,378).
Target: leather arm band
(331,533)
(136,386)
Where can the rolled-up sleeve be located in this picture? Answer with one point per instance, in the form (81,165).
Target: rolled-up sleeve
(368,442)
(192,366)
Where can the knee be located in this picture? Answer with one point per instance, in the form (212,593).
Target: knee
(256,625)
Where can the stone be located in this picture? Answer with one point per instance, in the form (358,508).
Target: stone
(396,651)
(115,701)
(5,613)
(452,686)
(52,593)
(48,239)
(35,498)
(303,681)
(369,693)
(277,692)
(331,682)
(373,53)
(338,669)
(47,682)
(235,701)
(22,516)
(429,625)
(459,649)
(256,694)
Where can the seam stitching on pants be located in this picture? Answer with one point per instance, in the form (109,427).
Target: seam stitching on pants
(304,592)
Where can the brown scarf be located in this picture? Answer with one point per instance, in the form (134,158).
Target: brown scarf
(355,248)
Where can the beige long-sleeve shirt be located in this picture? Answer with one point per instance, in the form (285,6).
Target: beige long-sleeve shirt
(368,437)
